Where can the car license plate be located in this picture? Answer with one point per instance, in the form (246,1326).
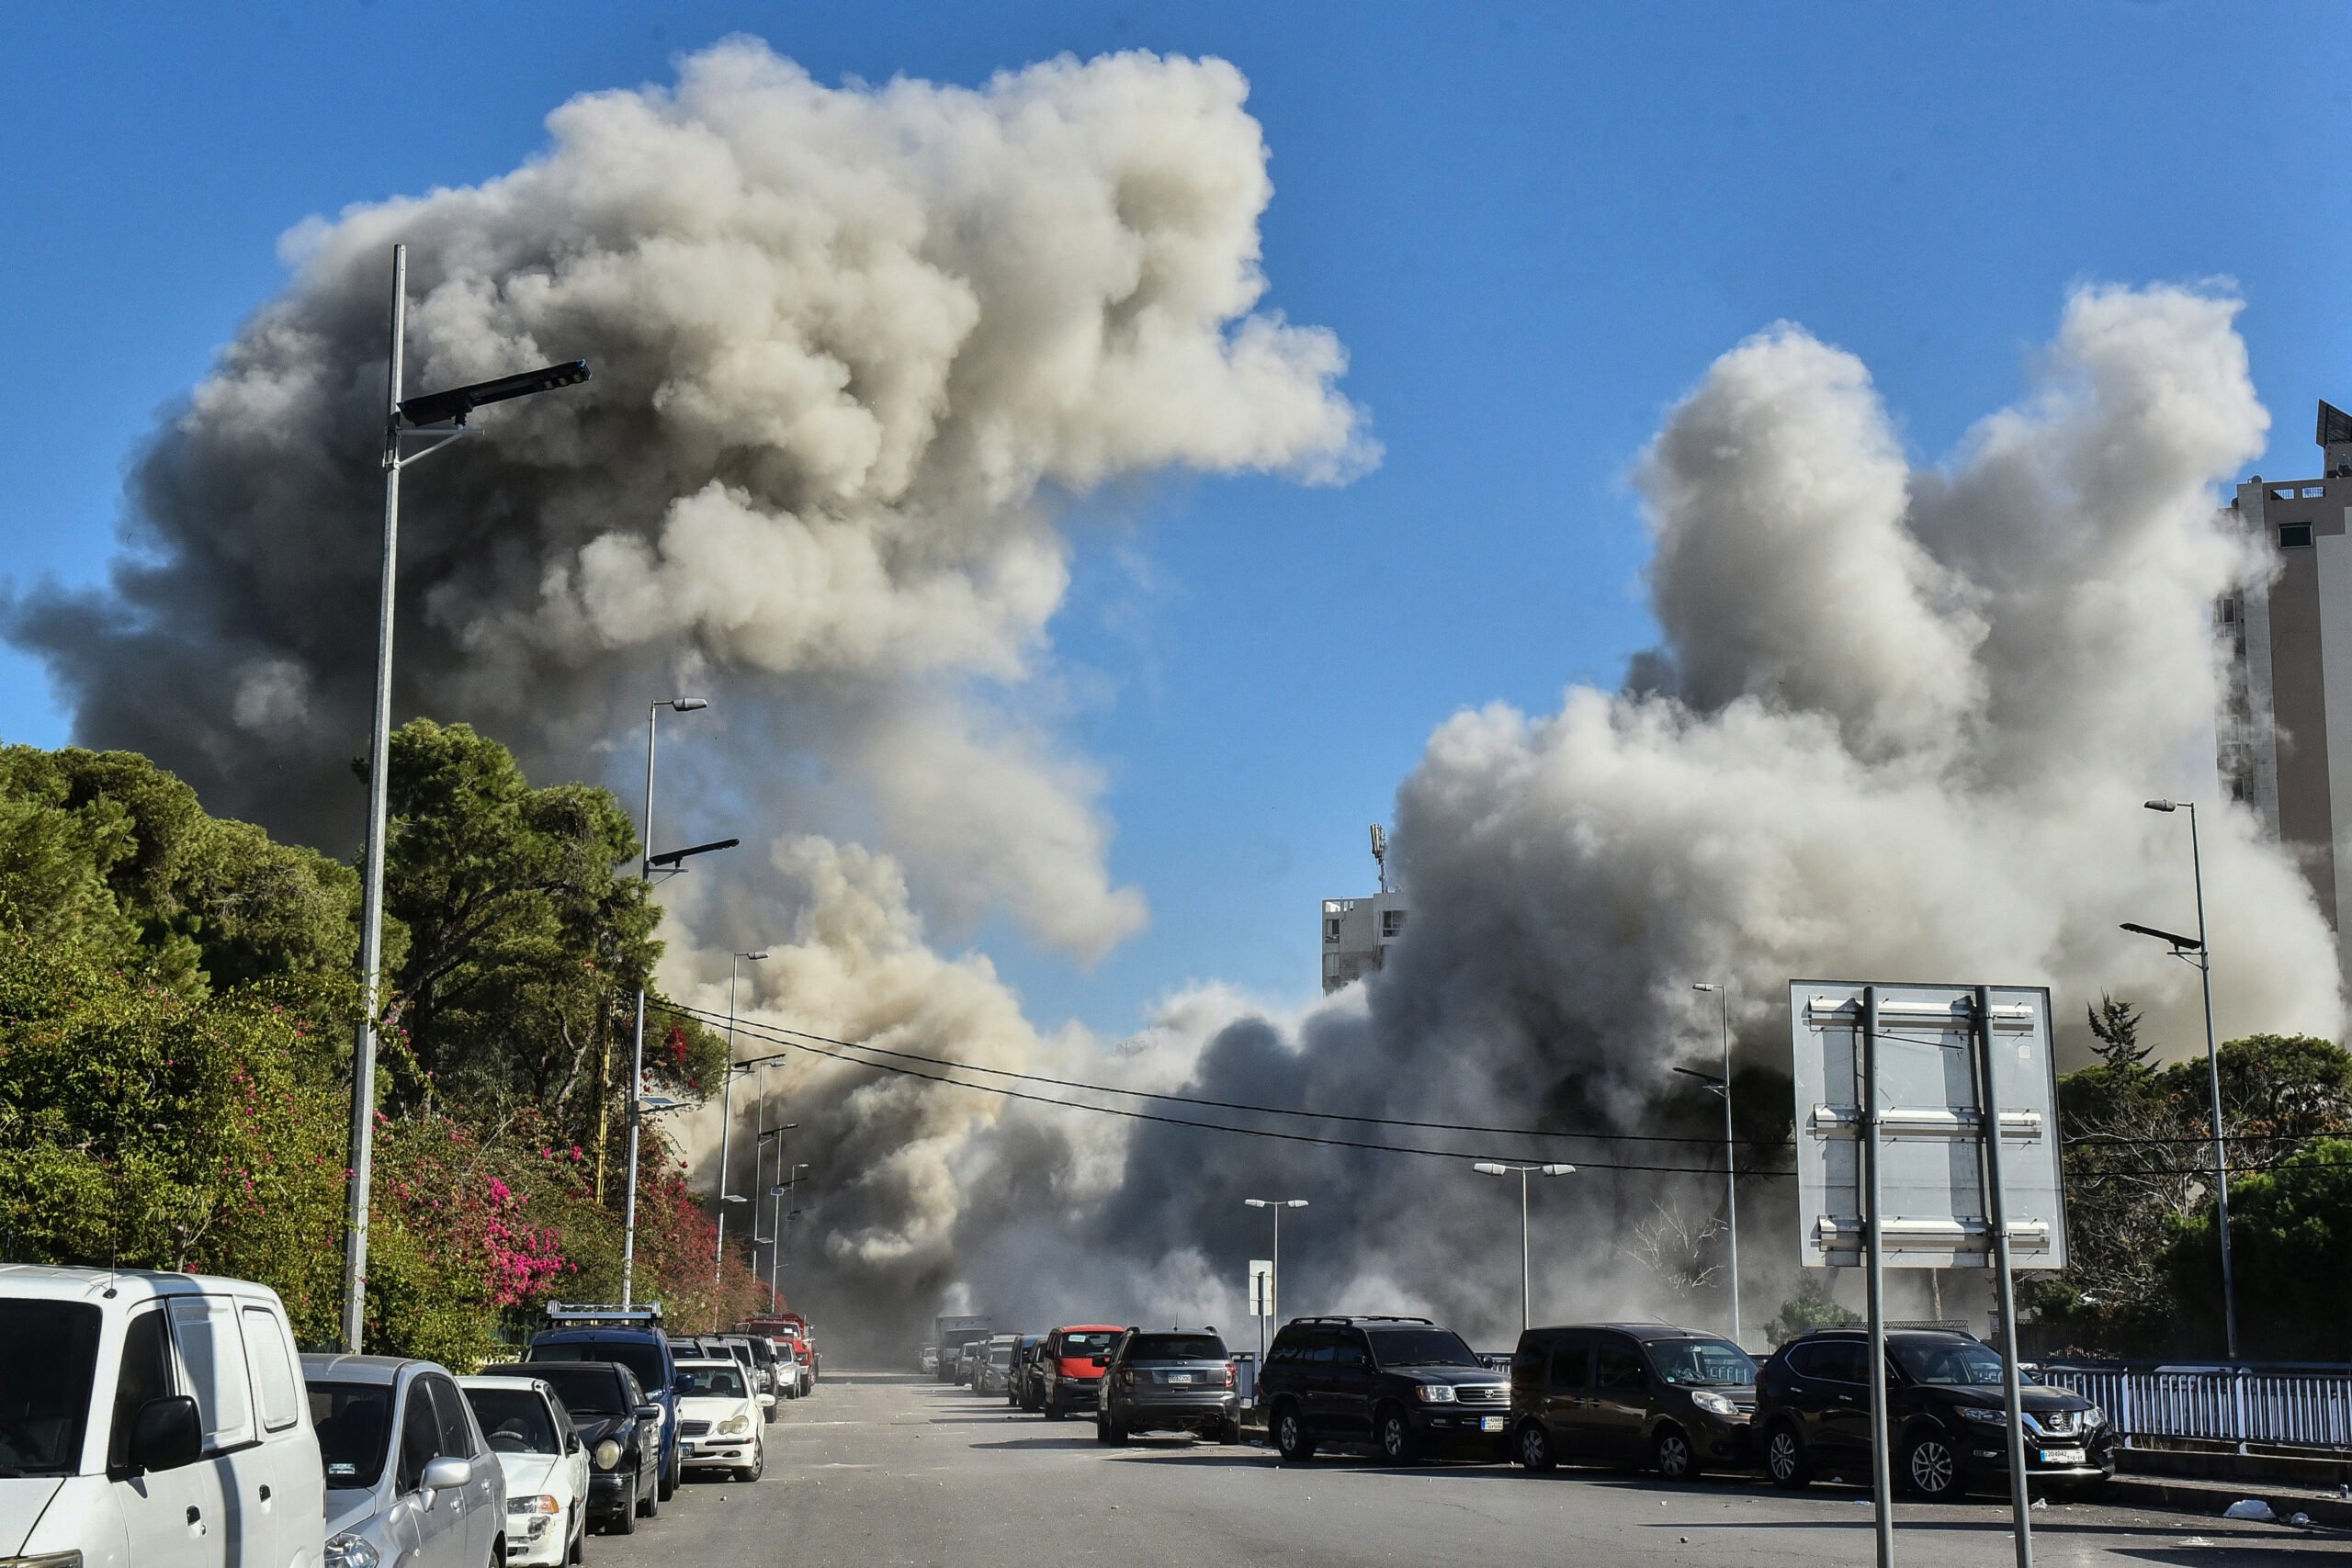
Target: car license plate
(2062,1456)
(1490,1422)
(1179,1377)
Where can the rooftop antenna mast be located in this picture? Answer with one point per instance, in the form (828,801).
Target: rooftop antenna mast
(1380,853)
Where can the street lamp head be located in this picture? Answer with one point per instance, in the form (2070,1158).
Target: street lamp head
(1296,1203)
(1705,986)
(671,860)
(1255,1203)
(454,405)
(2161,804)
(684,704)
(734,1198)
(1488,1167)
(2180,944)
(648,1104)
(1557,1169)
(752,957)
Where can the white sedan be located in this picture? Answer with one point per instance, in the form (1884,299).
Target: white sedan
(545,1466)
(718,1419)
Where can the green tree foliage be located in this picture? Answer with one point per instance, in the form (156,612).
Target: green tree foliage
(2291,1228)
(176,1003)
(1809,1309)
(2139,1183)
(2116,1026)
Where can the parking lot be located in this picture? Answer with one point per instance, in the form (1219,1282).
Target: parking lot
(893,1467)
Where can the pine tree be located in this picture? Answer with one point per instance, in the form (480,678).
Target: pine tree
(2116,1026)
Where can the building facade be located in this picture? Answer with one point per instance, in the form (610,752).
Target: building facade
(1356,934)
(2285,731)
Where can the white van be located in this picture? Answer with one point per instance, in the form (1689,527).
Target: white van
(151,1419)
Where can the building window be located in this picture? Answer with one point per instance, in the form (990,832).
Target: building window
(1391,921)
(1330,930)
(2294,536)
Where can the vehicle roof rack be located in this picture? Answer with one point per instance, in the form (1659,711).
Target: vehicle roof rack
(1344,1318)
(586,1314)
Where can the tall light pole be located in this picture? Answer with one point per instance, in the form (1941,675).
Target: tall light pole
(1526,1285)
(777,1209)
(637,1055)
(735,960)
(2201,955)
(1274,1275)
(781,1192)
(1731,1188)
(440,416)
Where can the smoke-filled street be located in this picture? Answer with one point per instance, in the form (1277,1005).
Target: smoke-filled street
(884,1469)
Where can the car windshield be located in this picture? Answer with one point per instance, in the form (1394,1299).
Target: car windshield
(1087,1344)
(1422,1348)
(1176,1347)
(355,1423)
(634,1354)
(49,1356)
(1699,1363)
(710,1383)
(586,1390)
(1955,1362)
(515,1420)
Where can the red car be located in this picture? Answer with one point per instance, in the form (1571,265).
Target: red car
(1073,1380)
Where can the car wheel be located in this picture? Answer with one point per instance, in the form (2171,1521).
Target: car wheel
(1536,1448)
(1291,1440)
(625,1522)
(1400,1444)
(1672,1454)
(1055,1413)
(1785,1459)
(759,1463)
(1228,1433)
(1930,1468)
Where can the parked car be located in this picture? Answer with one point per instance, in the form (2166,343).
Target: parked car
(618,1425)
(736,1347)
(719,1418)
(967,1358)
(993,1372)
(410,1480)
(1405,1387)
(1946,1414)
(1620,1393)
(800,1379)
(773,1370)
(927,1360)
(141,1410)
(544,1463)
(1072,1363)
(1025,1389)
(633,1336)
(1176,1381)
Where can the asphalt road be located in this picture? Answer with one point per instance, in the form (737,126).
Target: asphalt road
(881,1469)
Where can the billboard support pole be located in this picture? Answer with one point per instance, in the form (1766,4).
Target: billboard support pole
(1988,1102)
(1874,1276)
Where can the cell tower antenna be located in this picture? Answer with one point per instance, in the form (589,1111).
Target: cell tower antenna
(1380,853)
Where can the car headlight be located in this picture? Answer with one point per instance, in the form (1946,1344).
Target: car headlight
(2093,1417)
(348,1550)
(1714,1404)
(542,1503)
(1434,1392)
(608,1455)
(734,1424)
(1983,1418)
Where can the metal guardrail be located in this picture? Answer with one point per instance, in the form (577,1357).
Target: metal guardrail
(2277,1406)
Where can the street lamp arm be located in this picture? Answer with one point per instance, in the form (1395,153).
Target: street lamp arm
(2186,943)
(455,404)
(669,861)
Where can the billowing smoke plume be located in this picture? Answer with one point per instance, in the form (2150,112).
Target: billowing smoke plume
(850,347)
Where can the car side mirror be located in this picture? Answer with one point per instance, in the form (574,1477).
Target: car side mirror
(167,1433)
(648,1412)
(1102,1362)
(446,1473)
(571,1443)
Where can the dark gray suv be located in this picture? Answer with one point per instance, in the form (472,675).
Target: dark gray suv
(1628,1393)
(1402,1385)
(1178,1380)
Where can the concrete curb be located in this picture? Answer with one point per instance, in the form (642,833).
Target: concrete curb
(2205,1500)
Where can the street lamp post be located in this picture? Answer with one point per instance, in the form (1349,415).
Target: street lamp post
(781,1192)
(637,1054)
(442,416)
(2201,955)
(1273,1275)
(1526,1286)
(726,1121)
(1731,1189)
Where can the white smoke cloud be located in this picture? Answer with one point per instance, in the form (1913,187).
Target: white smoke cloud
(851,346)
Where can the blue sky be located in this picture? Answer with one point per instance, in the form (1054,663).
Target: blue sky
(1532,228)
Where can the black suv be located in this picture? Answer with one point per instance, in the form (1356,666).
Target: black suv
(1178,1380)
(1623,1393)
(1403,1385)
(1947,1416)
